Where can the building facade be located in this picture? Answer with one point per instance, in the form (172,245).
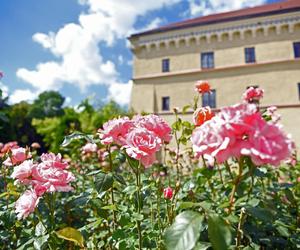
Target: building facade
(257,46)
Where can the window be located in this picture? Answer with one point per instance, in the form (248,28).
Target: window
(297,50)
(165,65)
(166,103)
(250,55)
(207,60)
(209,99)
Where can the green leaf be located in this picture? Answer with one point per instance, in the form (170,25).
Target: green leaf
(202,246)
(218,232)
(76,136)
(103,182)
(40,241)
(71,234)
(110,207)
(25,245)
(185,231)
(185,109)
(134,164)
(40,229)
(119,178)
(260,213)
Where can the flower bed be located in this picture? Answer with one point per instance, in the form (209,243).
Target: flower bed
(110,191)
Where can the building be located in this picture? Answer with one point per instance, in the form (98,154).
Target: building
(257,46)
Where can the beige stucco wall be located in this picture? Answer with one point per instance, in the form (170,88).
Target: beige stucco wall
(279,80)
(275,70)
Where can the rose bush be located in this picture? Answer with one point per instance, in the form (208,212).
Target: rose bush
(229,180)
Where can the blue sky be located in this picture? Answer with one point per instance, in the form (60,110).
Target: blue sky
(79,47)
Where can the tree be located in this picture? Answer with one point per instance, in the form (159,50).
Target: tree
(48,104)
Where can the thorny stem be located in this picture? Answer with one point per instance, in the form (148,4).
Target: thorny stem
(177,147)
(239,229)
(220,173)
(236,183)
(209,183)
(177,155)
(138,223)
(112,190)
(158,212)
(228,169)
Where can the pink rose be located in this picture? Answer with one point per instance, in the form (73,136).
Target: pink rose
(115,131)
(240,130)
(156,124)
(17,156)
(268,143)
(8,146)
(53,160)
(223,136)
(253,94)
(23,171)
(271,112)
(89,148)
(26,204)
(52,177)
(168,193)
(142,144)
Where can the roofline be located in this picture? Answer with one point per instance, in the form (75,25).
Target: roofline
(229,19)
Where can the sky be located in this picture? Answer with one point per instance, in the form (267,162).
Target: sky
(80,47)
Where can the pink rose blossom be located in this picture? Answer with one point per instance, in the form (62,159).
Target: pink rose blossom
(268,143)
(52,177)
(271,112)
(8,146)
(52,160)
(142,144)
(168,193)
(155,124)
(17,156)
(253,94)
(240,130)
(40,189)
(89,148)
(115,131)
(223,136)
(23,171)
(26,204)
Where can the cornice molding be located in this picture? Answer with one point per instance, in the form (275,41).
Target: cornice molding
(218,33)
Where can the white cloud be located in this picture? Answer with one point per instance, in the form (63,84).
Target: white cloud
(206,7)
(120,92)
(22,95)
(79,60)
(68,101)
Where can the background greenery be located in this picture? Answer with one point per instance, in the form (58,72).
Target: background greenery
(47,120)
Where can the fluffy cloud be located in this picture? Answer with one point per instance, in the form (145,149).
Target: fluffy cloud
(77,47)
(120,92)
(206,7)
(22,95)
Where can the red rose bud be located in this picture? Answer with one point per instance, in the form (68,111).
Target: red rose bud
(168,193)
(202,87)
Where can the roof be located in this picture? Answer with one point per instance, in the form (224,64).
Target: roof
(263,10)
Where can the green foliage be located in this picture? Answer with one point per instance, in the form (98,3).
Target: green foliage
(185,231)
(48,104)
